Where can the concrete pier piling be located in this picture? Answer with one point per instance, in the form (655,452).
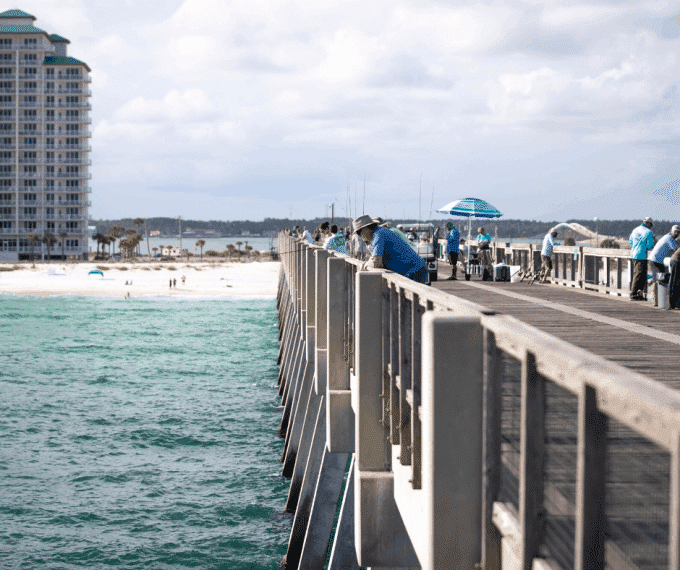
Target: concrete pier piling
(394,392)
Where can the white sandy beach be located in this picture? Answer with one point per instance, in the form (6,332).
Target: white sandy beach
(151,278)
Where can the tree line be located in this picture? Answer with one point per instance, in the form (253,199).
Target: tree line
(510,228)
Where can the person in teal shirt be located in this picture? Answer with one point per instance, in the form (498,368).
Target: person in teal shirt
(484,251)
(641,240)
(452,248)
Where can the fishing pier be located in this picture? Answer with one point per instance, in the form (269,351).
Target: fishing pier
(469,424)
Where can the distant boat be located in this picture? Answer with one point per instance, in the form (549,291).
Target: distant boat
(96,272)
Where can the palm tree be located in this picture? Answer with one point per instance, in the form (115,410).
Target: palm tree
(247,249)
(161,247)
(63,235)
(200,243)
(114,233)
(138,223)
(256,255)
(231,249)
(239,244)
(49,240)
(154,249)
(32,240)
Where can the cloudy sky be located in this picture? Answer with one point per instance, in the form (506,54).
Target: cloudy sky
(246,109)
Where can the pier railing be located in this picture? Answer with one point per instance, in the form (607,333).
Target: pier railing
(599,269)
(475,439)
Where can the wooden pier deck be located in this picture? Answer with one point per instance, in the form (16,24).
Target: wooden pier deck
(633,334)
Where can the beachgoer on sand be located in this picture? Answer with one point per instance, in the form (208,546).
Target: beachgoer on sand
(174,283)
(183,279)
(170,283)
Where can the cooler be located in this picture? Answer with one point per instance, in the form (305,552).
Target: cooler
(501,272)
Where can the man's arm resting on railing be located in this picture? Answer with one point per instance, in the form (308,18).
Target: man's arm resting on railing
(374,262)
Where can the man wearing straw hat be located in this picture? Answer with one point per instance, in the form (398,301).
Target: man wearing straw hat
(389,251)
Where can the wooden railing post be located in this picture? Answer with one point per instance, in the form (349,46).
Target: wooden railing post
(452,426)
(321,320)
(674,518)
(590,483)
(532,454)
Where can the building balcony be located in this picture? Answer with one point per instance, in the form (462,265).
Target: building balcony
(30,216)
(27,133)
(7,104)
(30,161)
(7,216)
(83,175)
(32,76)
(63,77)
(31,104)
(79,105)
(32,203)
(68,161)
(5,91)
(81,120)
(4,174)
(69,91)
(30,119)
(76,203)
(7,160)
(29,90)
(25,231)
(58,147)
(8,231)
(27,47)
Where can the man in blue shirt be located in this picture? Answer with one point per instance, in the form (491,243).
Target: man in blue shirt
(452,249)
(641,241)
(546,255)
(389,251)
(665,245)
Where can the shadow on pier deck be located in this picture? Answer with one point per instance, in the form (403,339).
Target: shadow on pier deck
(504,425)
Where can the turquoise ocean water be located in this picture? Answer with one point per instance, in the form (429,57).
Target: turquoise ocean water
(140,434)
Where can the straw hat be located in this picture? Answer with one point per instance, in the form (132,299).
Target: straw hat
(361,222)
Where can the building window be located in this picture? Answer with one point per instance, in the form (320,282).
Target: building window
(49,72)
(30,183)
(72,183)
(30,225)
(30,41)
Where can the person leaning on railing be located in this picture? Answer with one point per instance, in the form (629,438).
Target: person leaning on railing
(664,246)
(388,250)
(641,241)
(546,255)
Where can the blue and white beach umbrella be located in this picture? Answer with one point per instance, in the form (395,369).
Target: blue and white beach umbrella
(470,208)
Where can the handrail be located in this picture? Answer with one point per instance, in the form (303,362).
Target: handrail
(401,349)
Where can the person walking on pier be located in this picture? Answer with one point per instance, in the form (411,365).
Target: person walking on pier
(641,241)
(546,255)
(484,252)
(389,251)
(452,249)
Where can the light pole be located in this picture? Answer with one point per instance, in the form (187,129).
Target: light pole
(597,234)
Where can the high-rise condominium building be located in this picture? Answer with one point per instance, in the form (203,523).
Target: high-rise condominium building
(44,136)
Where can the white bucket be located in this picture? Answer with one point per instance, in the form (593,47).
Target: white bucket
(663,296)
(514,273)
